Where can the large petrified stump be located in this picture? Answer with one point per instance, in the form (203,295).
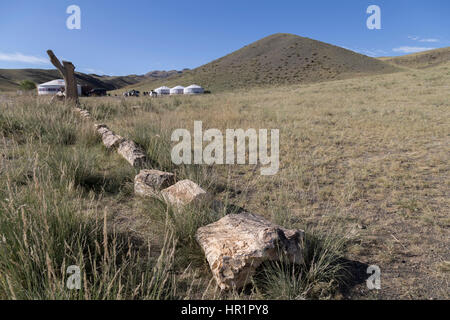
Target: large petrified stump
(184,192)
(148,183)
(67,70)
(238,243)
(132,153)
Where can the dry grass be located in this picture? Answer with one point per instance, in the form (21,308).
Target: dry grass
(65,200)
(420,60)
(368,154)
(365,160)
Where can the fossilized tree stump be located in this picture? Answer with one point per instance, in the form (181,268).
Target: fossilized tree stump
(238,243)
(67,70)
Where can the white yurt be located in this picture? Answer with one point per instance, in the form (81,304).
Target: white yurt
(52,87)
(163,90)
(177,90)
(193,89)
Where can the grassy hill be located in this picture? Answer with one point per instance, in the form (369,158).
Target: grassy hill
(10,78)
(277,60)
(421,60)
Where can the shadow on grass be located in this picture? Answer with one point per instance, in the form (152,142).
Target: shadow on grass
(100,184)
(286,281)
(357,274)
(324,274)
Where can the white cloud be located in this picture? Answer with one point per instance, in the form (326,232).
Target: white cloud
(94,71)
(416,38)
(406,49)
(367,52)
(429,40)
(371,52)
(19,57)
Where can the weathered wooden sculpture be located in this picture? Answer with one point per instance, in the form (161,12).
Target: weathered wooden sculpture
(67,70)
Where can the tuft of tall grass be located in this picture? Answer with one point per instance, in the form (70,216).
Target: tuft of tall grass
(102,111)
(320,276)
(49,123)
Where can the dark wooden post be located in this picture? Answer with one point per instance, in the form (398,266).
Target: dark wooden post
(67,70)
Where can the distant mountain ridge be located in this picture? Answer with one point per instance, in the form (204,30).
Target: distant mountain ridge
(10,78)
(163,74)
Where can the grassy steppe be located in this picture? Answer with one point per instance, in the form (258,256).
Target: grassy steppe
(364,169)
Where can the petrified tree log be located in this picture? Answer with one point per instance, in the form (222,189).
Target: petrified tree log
(109,138)
(67,70)
(148,183)
(184,192)
(238,243)
(132,153)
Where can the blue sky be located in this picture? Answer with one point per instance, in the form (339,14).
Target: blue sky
(134,37)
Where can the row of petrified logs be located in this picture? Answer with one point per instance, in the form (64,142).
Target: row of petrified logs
(128,149)
(236,244)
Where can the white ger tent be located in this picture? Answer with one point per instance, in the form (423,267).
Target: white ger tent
(52,87)
(193,89)
(177,90)
(163,90)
